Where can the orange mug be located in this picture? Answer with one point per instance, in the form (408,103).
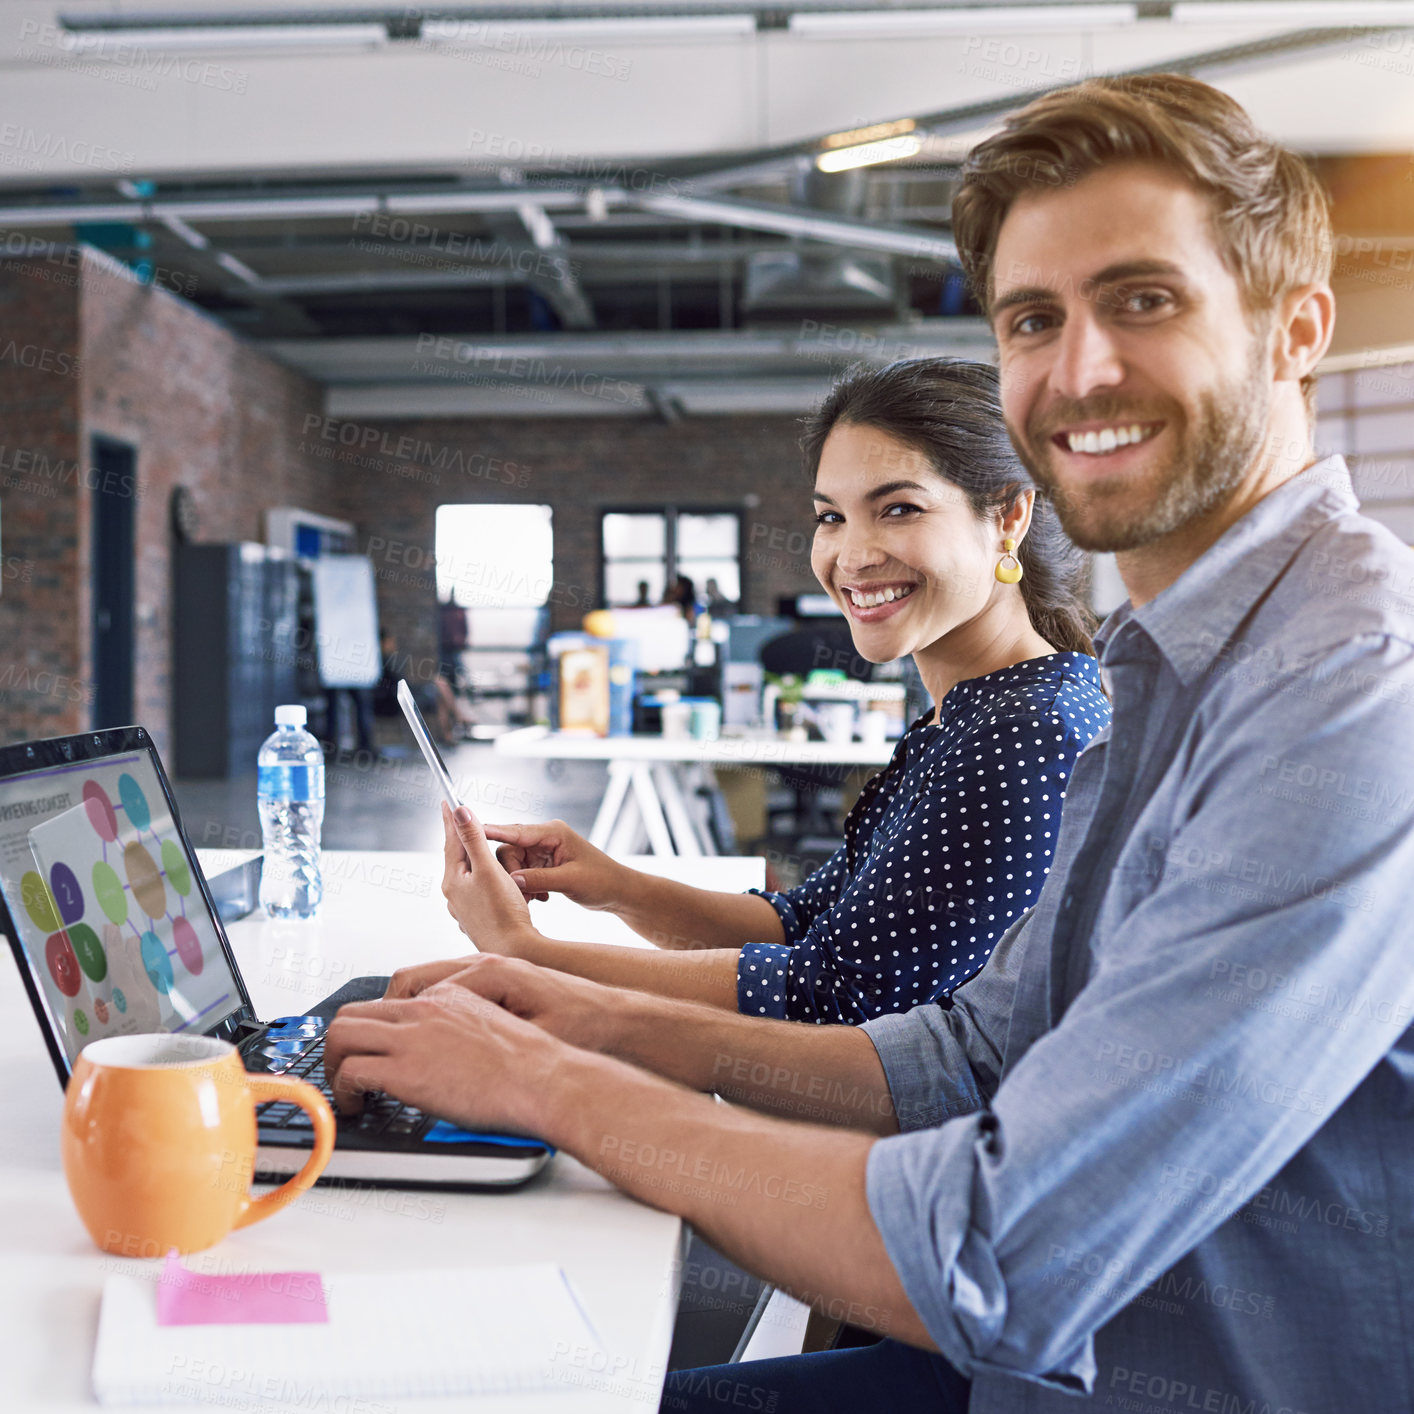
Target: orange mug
(159,1142)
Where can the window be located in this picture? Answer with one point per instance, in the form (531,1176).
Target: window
(653,547)
(635,551)
(499,562)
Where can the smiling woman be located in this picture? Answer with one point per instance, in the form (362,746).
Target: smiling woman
(923,516)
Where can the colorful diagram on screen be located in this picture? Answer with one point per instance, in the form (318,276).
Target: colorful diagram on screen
(111,896)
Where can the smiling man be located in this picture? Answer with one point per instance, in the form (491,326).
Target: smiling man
(1155,1155)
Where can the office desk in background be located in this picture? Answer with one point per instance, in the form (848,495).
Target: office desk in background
(381,910)
(654,781)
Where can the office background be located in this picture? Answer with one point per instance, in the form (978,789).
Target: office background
(585,257)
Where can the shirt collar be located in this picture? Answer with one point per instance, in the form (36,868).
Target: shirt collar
(1201,610)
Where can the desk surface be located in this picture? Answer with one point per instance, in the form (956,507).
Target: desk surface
(757,750)
(381,910)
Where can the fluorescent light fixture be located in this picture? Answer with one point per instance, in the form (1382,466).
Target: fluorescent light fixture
(96,44)
(667,28)
(899,24)
(869,154)
(873,133)
(1294,14)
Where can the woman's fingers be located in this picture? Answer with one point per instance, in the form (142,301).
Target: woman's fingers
(453,855)
(538,883)
(510,857)
(473,836)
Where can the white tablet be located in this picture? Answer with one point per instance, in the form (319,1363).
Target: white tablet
(430,753)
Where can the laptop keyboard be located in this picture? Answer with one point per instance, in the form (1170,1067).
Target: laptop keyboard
(381,1113)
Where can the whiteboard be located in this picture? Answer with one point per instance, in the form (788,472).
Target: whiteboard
(346,621)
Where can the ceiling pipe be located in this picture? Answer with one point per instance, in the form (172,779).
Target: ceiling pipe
(798,221)
(404,21)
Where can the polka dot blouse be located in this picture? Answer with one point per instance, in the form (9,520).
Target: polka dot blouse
(944,849)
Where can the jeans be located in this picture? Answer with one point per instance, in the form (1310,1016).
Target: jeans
(889,1375)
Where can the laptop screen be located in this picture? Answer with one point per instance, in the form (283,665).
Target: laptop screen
(101,888)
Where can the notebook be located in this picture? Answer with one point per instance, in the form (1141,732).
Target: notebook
(452,1331)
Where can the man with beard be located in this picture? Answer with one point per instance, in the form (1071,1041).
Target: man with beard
(1155,1154)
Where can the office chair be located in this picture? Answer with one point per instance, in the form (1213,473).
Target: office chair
(815,827)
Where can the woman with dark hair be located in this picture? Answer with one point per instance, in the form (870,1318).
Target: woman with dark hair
(933,542)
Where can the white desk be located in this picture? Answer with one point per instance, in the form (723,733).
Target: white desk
(653,781)
(380,910)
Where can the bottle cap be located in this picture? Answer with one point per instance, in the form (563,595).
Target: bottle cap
(292,714)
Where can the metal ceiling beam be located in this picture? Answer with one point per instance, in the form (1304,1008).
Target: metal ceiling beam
(560,289)
(234,276)
(556,286)
(805,345)
(803,221)
(365,282)
(401,20)
(676,253)
(372,203)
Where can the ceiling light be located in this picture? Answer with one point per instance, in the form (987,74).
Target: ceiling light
(1293,14)
(869,154)
(668,28)
(898,24)
(97,44)
(870,134)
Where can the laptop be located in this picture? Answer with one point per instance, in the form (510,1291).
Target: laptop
(114,932)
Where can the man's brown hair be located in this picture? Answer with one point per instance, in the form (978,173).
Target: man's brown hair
(1271,217)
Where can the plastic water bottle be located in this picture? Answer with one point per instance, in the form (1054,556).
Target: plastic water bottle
(291,794)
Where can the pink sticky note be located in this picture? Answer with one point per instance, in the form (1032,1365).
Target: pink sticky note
(187,1298)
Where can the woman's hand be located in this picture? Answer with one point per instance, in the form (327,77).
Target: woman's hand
(552,858)
(489,908)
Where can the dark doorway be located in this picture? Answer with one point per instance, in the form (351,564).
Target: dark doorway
(114,565)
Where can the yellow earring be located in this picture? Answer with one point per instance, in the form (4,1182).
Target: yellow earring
(1008,567)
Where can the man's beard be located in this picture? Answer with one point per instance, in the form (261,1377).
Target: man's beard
(1216,453)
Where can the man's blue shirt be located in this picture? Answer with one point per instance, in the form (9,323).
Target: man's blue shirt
(1160,1150)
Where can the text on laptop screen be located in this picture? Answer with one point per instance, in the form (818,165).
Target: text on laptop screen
(110,916)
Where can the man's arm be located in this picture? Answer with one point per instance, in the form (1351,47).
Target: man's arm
(828,1074)
(786,1200)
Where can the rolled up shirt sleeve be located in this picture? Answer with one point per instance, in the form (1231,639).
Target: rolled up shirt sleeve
(942,1060)
(762,969)
(799,907)
(1158,1061)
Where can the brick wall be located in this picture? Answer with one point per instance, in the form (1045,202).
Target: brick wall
(42,692)
(202,408)
(205,410)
